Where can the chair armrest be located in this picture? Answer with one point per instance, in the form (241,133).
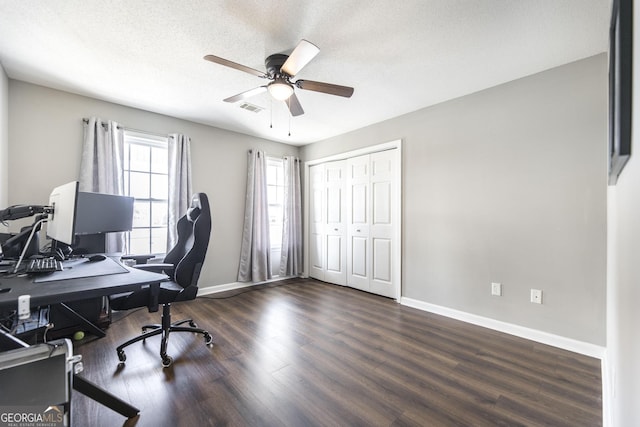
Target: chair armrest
(155,267)
(140,259)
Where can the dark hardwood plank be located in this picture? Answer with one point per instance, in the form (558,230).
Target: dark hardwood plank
(302,352)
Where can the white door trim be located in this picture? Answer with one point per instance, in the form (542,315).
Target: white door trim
(397,226)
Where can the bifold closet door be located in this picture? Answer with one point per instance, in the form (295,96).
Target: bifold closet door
(358,252)
(335,232)
(316,222)
(327,234)
(353,208)
(381,232)
(370,234)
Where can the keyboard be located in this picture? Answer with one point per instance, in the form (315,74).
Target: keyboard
(44,265)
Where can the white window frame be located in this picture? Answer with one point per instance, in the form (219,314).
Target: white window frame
(151,141)
(275,187)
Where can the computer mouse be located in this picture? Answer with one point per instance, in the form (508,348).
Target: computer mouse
(97,257)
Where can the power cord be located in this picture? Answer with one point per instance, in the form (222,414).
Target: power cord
(46,329)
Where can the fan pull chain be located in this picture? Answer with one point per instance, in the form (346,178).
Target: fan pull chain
(271,111)
(289,104)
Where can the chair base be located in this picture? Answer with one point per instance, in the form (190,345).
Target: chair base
(164,329)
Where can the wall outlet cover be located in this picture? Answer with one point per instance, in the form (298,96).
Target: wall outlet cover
(496,289)
(536,296)
(24,307)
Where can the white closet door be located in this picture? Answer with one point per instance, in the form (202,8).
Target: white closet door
(381,230)
(335,233)
(358,220)
(317,221)
(354,222)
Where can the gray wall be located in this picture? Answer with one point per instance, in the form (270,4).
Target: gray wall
(623,316)
(506,185)
(45,137)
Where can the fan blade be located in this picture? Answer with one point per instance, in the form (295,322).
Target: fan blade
(301,55)
(247,94)
(237,66)
(294,105)
(329,88)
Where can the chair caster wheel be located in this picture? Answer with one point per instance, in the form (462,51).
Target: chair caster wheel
(207,339)
(167,361)
(121,356)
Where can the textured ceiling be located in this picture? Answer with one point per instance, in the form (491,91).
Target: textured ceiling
(399,56)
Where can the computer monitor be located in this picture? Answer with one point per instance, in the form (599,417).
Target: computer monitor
(99,213)
(61,222)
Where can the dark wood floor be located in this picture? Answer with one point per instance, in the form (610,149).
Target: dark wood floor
(305,353)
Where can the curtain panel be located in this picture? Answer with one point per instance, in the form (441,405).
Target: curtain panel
(255,253)
(101,166)
(291,255)
(180,184)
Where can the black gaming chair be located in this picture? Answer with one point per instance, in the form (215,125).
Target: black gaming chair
(182,264)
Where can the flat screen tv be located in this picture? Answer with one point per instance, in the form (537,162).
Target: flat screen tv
(620,86)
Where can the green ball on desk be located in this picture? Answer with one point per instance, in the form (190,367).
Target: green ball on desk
(78,336)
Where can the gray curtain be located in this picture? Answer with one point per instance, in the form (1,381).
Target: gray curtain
(291,255)
(180,186)
(101,166)
(255,254)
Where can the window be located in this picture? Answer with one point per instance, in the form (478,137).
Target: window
(275,199)
(146,180)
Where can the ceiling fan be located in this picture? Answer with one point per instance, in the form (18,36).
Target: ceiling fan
(280,70)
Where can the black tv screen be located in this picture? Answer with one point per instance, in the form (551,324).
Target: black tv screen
(620,86)
(103,213)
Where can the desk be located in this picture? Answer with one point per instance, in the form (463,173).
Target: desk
(60,291)
(55,292)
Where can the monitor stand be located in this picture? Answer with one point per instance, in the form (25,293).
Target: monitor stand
(89,244)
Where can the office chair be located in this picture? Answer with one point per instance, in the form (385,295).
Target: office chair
(182,264)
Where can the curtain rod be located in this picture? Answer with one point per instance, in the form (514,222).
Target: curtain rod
(104,125)
(294,157)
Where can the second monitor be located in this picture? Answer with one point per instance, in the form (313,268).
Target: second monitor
(103,213)
(98,214)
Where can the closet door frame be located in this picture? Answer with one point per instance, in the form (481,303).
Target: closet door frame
(397,226)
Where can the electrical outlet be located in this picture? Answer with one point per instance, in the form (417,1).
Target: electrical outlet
(24,307)
(536,296)
(496,289)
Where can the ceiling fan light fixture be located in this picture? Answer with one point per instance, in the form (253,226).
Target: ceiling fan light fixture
(280,89)
(280,69)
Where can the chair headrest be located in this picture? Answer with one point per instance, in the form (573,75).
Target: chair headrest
(196,207)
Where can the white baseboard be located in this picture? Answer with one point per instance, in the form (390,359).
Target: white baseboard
(207,290)
(569,344)
(214,289)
